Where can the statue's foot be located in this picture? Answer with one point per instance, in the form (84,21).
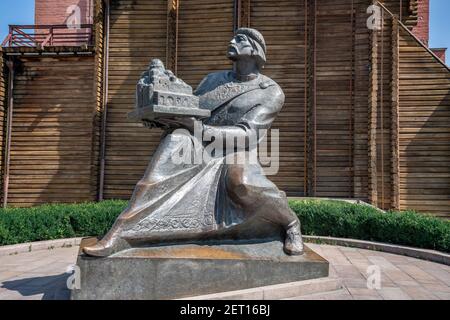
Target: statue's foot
(293,245)
(103,248)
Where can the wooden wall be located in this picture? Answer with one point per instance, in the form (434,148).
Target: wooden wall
(283,25)
(334,98)
(424,130)
(366,113)
(319,51)
(137,35)
(205,29)
(52,131)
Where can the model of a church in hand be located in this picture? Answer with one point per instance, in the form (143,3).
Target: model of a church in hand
(160,94)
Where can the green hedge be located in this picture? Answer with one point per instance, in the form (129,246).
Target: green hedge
(57,221)
(321,218)
(344,220)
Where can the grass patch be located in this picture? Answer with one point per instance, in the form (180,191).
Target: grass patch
(320,218)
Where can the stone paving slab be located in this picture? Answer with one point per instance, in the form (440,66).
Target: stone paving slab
(43,274)
(38,246)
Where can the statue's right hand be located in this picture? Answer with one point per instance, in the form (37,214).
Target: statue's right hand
(153,124)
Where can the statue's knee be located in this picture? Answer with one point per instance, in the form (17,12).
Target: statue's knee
(236,185)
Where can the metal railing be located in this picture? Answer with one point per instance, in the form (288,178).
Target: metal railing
(39,36)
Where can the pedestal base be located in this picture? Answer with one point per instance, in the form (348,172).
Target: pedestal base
(177,271)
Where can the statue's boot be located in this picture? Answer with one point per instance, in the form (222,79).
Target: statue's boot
(293,244)
(260,197)
(110,244)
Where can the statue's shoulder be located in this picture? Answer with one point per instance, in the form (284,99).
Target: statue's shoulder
(212,81)
(272,87)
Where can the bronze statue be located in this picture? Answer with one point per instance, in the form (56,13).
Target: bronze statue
(212,200)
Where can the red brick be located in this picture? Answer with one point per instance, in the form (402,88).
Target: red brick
(48,12)
(422,30)
(440,52)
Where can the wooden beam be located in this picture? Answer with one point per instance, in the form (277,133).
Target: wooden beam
(101,184)
(306,104)
(312,105)
(372,137)
(351,148)
(172,35)
(242,13)
(395,121)
(9,119)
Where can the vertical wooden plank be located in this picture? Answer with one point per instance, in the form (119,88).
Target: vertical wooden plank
(384,144)
(312,97)
(362,56)
(8,134)
(245,13)
(172,35)
(373,123)
(99,77)
(3,90)
(104,98)
(306,81)
(351,132)
(395,155)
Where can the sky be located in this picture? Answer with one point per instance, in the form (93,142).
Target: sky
(440,24)
(22,12)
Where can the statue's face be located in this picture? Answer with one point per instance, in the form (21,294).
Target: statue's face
(239,46)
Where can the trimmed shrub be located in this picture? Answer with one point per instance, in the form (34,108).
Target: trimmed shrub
(320,218)
(346,220)
(57,221)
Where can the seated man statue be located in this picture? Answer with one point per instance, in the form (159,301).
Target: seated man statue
(211,200)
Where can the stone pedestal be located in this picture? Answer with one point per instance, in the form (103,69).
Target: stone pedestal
(186,270)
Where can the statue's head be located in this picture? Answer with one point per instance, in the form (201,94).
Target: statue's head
(248,42)
(156,64)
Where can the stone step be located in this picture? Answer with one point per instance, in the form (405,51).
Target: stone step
(278,292)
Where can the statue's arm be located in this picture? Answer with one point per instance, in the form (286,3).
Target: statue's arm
(258,118)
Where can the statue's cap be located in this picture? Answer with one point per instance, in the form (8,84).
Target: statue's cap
(255,35)
(156,63)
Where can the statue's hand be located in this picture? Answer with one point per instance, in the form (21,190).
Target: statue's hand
(187,123)
(154,124)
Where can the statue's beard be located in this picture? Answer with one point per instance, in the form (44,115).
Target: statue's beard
(233,53)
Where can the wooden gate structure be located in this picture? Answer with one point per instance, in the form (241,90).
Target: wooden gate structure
(367,113)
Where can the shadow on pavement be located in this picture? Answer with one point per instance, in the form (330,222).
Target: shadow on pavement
(51,287)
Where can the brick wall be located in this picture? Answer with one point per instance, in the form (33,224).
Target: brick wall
(422,30)
(56,11)
(440,52)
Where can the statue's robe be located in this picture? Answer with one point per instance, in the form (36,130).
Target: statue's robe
(192,201)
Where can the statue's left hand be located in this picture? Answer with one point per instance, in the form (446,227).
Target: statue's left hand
(187,123)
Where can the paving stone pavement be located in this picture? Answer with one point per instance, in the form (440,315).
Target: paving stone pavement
(43,275)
